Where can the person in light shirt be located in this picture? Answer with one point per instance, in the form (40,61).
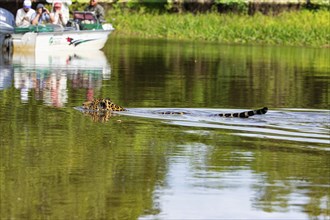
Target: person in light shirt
(59,17)
(65,8)
(24,15)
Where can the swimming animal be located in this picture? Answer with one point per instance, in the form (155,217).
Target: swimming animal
(105,104)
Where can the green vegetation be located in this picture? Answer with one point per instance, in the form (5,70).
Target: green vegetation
(308,26)
(303,28)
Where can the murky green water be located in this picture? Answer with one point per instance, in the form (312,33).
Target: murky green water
(58,163)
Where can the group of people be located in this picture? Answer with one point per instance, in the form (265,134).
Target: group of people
(59,14)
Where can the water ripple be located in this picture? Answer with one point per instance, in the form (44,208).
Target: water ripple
(298,125)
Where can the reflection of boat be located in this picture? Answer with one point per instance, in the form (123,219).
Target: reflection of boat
(6,72)
(51,74)
(85,33)
(93,62)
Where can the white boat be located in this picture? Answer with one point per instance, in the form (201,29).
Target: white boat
(85,33)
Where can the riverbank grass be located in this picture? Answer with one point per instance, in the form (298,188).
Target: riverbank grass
(300,28)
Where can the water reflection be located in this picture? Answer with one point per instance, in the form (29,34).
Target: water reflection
(296,125)
(51,75)
(183,74)
(6,72)
(58,164)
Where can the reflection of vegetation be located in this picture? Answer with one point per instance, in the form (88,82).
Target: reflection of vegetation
(51,168)
(287,174)
(284,173)
(199,75)
(58,164)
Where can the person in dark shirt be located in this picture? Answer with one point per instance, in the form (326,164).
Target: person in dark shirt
(97,9)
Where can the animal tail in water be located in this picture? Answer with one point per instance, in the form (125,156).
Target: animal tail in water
(244,114)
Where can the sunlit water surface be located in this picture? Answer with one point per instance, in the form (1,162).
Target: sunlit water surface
(58,162)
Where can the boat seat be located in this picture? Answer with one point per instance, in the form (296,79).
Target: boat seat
(87,17)
(84,18)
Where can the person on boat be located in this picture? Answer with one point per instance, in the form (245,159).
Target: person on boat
(65,8)
(42,15)
(24,15)
(58,15)
(97,9)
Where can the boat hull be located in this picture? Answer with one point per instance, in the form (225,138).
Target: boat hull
(61,41)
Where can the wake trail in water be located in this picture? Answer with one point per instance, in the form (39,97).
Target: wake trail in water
(308,126)
(297,125)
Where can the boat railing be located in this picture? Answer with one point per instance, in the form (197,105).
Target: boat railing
(34,28)
(81,21)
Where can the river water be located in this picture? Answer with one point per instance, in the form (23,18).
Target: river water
(60,163)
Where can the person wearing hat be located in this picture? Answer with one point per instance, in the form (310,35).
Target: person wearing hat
(42,15)
(65,8)
(24,15)
(97,9)
(59,17)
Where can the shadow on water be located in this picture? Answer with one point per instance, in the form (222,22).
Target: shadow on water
(57,163)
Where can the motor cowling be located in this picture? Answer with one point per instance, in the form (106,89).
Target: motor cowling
(7,25)
(7,45)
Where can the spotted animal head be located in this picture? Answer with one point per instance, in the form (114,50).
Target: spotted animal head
(102,105)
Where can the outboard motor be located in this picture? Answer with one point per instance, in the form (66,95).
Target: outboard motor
(7,25)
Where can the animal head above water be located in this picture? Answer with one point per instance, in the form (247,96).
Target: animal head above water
(102,105)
